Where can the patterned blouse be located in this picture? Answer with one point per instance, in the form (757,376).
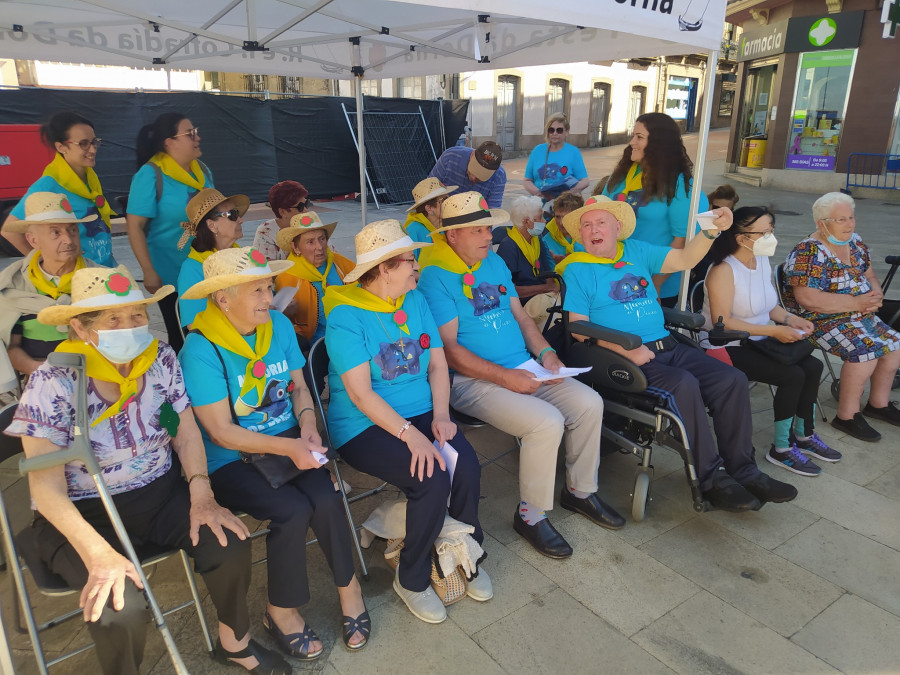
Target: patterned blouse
(264,241)
(132,448)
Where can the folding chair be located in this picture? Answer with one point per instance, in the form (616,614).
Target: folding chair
(21,549)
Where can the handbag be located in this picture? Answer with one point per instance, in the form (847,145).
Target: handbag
(449,589)
(786,353)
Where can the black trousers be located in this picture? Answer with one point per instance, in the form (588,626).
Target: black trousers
(797,384)
(307,501)
(173,329)
(156,517)
(380,454)
(697,382)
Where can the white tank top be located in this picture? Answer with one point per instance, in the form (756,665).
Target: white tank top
(754,295)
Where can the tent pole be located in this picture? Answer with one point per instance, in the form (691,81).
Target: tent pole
(712,63)
(362,149)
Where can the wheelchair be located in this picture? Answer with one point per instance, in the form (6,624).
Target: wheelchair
(635,416)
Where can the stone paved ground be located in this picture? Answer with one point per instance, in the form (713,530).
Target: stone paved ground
(805,587)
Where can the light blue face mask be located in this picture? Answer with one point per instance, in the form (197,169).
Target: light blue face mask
(536,229)
(124,344)
(834,240)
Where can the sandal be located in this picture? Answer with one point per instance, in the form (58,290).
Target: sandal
(361,624)
(270,663)
(289,643)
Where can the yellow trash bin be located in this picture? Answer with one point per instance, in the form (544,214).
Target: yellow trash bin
(757,153)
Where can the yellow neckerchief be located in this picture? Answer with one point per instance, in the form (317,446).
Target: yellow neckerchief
(418,218)
(98,368)
(44,285)
(303,269)
(585,257)
(60,171)
(633,182)
(357,296)
(556,233)
(216,328)
(196,179)
(201,257)
(531,250)
(443,256)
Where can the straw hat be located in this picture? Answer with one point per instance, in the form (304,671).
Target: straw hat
(302,222)
(377,242)
(232,267)
(99,288)
(201,204)
(621,210)
(469,209)
(46,208)
(429,189)
(485,160)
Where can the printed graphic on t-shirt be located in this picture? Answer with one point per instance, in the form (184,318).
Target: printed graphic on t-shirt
(399,358)
(486,297)
(630,287)
(273,408)
(553,174)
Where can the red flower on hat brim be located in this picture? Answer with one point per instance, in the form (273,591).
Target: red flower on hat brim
(65,205)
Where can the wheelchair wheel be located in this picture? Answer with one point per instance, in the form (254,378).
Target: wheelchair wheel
(641,495)
(836,390)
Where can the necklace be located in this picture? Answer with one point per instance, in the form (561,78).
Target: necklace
(399,318)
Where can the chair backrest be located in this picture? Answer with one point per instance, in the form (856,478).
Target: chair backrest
(10,446)
(779,283)
(695,300)
(316,374)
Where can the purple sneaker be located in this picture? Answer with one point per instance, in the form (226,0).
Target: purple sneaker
(793,460)
(816,447)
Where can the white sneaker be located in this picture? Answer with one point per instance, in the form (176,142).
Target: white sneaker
(424,605)
(480,587)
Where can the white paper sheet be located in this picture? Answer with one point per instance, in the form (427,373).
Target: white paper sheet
(449,453)
(542,374)
(283,298)
(319,457)
(706,220)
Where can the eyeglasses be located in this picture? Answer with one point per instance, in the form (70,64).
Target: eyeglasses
(193,133)
(232,215)
(842,221)
(85,143)
(556,130)
(411,261)
(762,233)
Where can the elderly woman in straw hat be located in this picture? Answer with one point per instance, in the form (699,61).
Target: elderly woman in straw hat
(139,413)
(214,221)
(314,267)
(425,214)
(389,407)
(611,284)
(243,372)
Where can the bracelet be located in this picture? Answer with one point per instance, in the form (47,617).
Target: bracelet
(406,425)
(300,414)
(201,476)
(709,236)
(540,358)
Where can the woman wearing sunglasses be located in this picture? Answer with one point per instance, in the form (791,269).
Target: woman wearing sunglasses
(72,173)
(286,199)
(214,221)
(555,167)
(169,174)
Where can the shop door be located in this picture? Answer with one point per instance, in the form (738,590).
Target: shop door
(599,115)
(507,97)
(757,101)
(636,104)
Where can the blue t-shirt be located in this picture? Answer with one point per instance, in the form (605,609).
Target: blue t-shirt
(334,279)
(623,298)
(659,223)
(96,240)
(562,168)
(165,217)
(206,383)
(555,247)
(190,274)
(487,327)
(519,268)
(398,363)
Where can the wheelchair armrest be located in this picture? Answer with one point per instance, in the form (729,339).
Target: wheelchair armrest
(720,338)
(678,318)
(597,332)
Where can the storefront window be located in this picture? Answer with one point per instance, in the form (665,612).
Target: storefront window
(677,94)
(823,84)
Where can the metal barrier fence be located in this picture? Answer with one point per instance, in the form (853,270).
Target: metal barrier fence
(871,170)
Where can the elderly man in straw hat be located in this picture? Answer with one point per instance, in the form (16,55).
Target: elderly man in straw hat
(611,284)
(475,170)
(315,267)
(425,213)
(138,413)
(213,224)
(41,279)
(489,341)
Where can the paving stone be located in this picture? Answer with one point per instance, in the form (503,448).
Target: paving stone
(887,484)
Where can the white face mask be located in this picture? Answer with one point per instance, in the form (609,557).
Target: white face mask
(765,245)
(125,344)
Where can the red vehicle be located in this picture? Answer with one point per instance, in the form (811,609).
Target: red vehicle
(23,157)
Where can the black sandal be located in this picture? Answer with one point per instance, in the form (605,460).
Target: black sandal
(289,643)
(270,663)
(361,624)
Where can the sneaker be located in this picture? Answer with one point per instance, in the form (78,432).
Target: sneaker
(817,448)
(424,605)
(729,495)
(890,413)
(479,587)
(858,427)
(793,460)
(767,489)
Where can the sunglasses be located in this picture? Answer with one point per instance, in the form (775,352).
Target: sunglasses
(193,133)
(302,206)
(86,143)
(556,130)
(232,215)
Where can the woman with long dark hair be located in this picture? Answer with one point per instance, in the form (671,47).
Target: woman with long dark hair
(739,289)
(654,176)
(72,173)
(169,174)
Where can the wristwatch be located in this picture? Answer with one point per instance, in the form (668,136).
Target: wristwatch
(709,236)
